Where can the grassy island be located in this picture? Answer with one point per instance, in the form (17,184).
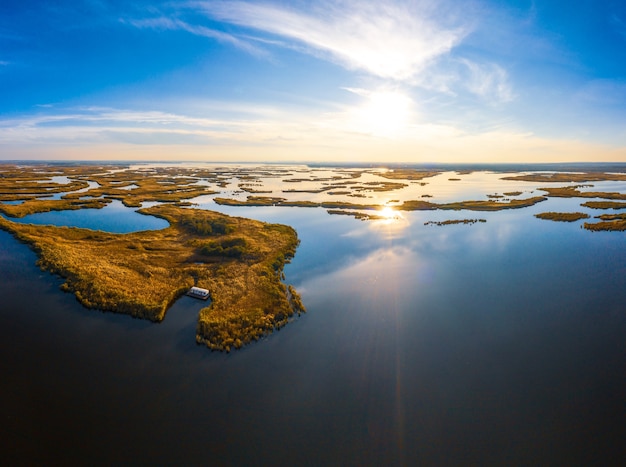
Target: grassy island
(411,205)
(562,216)
(567,177)
(604,205)
(239,260)
(609,222)
(408,174)
(573,192)
(455,221)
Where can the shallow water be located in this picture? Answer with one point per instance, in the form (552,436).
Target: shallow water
(488,344)
(114,217)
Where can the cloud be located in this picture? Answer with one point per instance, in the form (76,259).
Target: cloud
(272,135)
(92,125)
(488,81)
(391,40)
(409,42)
(164,23)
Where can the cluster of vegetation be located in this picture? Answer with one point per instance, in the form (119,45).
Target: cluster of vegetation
(251,201)
(34,206)
(562,216)
(250,187)
(418,205)
(202,226)
(573,192)
(455,221)
(609,222)
(567,177)
(339,193)
(364,216)
(236,247)
(295,300)
(33,183)
(411,205)
(143,273)
(346,175)
(379,186)
(604,205)
(310,190)
(407,174)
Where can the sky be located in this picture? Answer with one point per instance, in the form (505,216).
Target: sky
(344,81)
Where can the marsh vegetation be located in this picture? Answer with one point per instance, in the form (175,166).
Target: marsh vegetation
(567,177)
(562,216)
(604,205)
(608,222)
(455,221)
(143,273)
(411,205)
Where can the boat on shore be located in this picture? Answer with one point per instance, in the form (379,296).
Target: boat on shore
(199,292)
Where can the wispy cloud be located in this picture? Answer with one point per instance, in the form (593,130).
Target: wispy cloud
(411,42)
(264,135)
(164,23)
(394,40)
(95,124)
(488,81)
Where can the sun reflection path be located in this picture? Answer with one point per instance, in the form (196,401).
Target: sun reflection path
(389,222)
(389,214)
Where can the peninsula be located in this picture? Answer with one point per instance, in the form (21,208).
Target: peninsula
(143,273)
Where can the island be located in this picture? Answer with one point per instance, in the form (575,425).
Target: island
(562,216)
(141,274)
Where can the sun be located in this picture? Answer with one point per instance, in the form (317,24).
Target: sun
(386,113)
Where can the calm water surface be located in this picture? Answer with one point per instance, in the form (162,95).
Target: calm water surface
(114,217)
(490,344)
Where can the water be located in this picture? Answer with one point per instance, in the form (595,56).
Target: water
(114,217)
(489,344)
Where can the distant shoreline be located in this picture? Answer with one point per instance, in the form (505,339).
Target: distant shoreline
(443,166)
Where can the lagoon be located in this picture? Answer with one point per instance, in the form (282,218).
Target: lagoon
(498,343)
(114,217)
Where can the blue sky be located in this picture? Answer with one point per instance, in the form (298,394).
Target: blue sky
(342,81)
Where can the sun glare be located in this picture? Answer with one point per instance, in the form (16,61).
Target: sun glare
(386,113)
(388,213)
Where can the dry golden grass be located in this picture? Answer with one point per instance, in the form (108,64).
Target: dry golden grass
(33,183)
(455,221)
(573,192)
(604,205)
(407,174)
(39,205)
(357,214)
(562,216)
(412,205)
(567,177)
(142,273)
(610,222)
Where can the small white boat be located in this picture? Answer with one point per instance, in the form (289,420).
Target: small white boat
(198,292)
